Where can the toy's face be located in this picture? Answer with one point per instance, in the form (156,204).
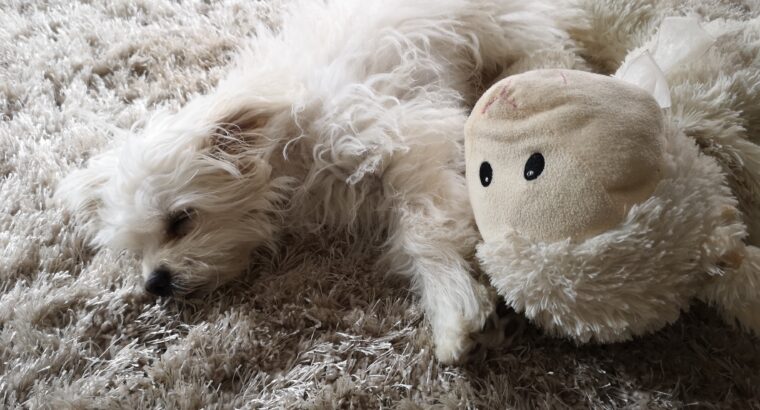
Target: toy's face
(558,154)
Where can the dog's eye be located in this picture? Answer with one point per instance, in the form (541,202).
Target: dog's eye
(534,166)
(486,174)
(180,223)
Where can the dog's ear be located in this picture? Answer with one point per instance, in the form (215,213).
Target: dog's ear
(239,131)
(244,120)
(246,130)
(80,193)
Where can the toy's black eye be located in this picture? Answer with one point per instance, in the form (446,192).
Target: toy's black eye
(486,174)
(534,167)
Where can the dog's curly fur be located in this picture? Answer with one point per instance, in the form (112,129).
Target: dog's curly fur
(349,119)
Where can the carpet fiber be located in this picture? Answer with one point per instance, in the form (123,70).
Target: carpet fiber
(313,329)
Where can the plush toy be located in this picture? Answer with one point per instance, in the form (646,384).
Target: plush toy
(602,220)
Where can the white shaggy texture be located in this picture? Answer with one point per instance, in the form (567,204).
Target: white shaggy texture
(311,330)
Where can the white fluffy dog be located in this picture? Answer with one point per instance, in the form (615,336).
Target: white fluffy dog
(349,119)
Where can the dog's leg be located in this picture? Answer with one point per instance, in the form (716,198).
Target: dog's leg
(432,233)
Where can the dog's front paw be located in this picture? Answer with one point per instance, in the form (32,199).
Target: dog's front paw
(452,347)
(454,333)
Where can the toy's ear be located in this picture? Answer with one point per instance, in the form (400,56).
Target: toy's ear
(81,194)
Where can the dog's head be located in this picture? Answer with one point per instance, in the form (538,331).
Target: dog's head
(193,194)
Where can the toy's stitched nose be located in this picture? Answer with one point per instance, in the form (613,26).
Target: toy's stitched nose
(159,282)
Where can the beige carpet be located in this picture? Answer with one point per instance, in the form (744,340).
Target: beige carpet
(315,329)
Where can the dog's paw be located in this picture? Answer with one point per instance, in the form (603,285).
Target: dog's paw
(454,340)
(452,345)
(456,334)
(501,328)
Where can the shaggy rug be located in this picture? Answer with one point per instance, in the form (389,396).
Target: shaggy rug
(317,328)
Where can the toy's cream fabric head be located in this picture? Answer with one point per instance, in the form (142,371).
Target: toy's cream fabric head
(561,154)
(601,220)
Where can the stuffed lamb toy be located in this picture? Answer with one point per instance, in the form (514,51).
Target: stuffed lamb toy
(601,219)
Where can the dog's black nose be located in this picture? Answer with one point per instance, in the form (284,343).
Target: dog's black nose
(159,282)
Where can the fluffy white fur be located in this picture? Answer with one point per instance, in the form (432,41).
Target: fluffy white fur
(346,120)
